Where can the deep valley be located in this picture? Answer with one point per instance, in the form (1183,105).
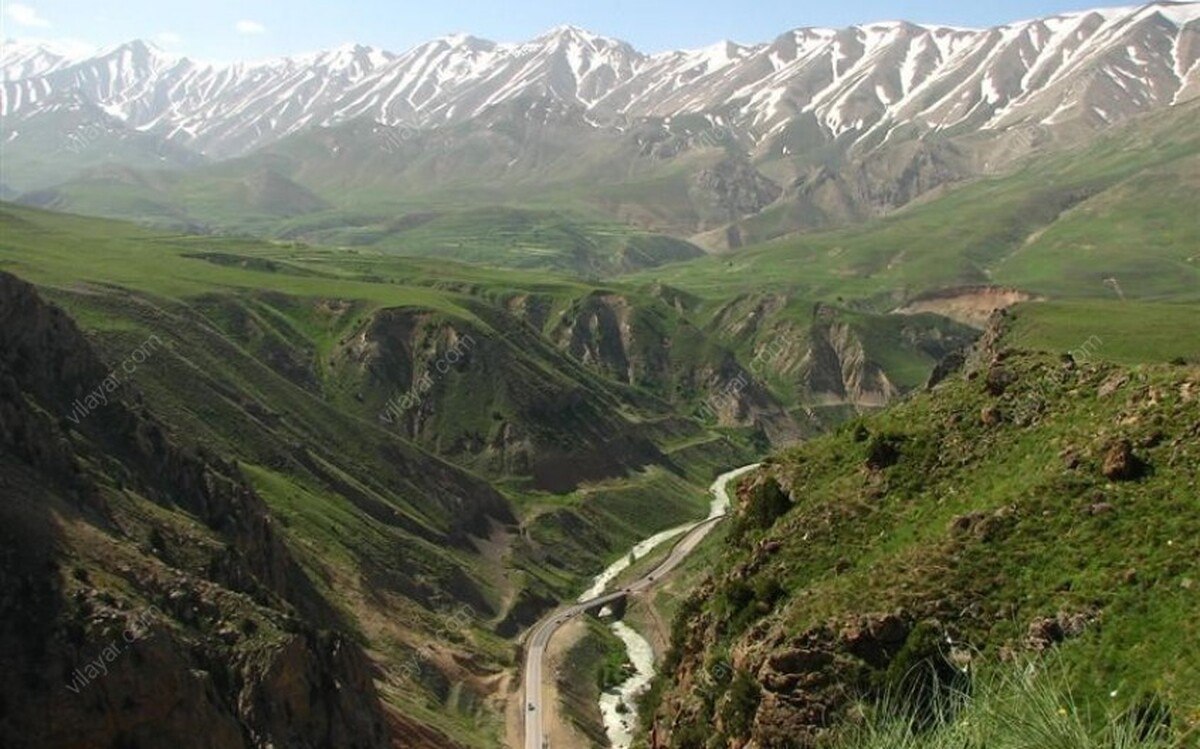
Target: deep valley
(329,384)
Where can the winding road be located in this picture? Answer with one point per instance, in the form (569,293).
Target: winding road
(540,634)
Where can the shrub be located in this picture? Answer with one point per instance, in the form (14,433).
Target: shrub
(883,451)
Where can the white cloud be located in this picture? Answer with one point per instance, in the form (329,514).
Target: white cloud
(24,15)
(249,28)
(168,39)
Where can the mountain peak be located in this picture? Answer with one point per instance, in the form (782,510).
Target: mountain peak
(1180,14)
(568,29)
(465,41)
(722,53)
(350,59)
(352,48)
(571,33)
(21,58)
(138,52)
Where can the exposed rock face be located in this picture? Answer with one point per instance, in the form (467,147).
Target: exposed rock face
(998,380)
(805,680)
(1046,632)
(948,365)
(533,309)
(146,590)
(734,189)
(837,370)
(874,185)
(825,362)
(600,335)
(483,399)
(630,343)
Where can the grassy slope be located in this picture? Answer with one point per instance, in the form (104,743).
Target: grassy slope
(1059,226)
(1026,704)
(1054,555)
(1125,332)
(867,541)
(503,237)
(522,196)
(266,204)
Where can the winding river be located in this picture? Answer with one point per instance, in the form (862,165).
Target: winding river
(618,705)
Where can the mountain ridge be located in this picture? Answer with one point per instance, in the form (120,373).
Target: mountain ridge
(868,80)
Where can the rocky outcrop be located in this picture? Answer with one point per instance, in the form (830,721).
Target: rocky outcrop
(1120,462)
(733,189)
(826,356)
(837,370)
(803,683)
(600,334)
(149,600)
(872,185)
(656,348)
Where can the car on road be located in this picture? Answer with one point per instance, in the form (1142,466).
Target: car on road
(532,707)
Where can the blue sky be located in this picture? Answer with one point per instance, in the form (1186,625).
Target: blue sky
(253,29)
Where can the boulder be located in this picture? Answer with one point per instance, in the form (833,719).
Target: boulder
(1120,464)
(998,380)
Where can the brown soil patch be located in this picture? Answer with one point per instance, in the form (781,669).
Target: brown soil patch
(969,305)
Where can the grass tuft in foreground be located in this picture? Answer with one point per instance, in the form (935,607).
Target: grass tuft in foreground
(1030,707)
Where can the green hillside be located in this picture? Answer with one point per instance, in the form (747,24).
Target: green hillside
(1031,504)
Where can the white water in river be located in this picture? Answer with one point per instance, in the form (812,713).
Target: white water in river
(718,507)
(620,725)
(619,706)
(602,580)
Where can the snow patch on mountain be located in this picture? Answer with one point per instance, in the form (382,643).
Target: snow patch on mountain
(1100,65)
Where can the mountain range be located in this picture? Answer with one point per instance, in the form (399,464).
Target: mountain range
(863,83)
(817,127)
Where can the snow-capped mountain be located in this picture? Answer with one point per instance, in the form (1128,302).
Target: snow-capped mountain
(860,84)
(19,59)
(1099,65)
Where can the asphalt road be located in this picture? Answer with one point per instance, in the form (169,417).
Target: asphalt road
(540,634)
